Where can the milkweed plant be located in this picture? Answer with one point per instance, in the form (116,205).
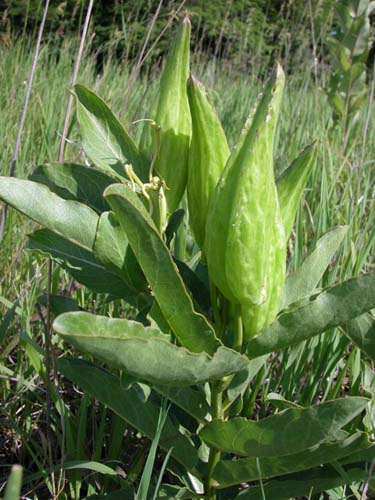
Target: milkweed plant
(205,325)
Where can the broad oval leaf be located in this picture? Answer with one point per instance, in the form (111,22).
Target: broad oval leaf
(143,416)
(75,182)
(332,307)
(145,352)
(303,282)
(111,243)
(111,247)
(192,400)
(81,264)
(231,472)
(104,139)
(72,220)
(361,331)
(286,433)
(192,329)
(241,380)
(304,483)
(195,285)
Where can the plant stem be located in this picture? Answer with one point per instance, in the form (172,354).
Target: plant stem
(215,308)
(237,329)
(215,454)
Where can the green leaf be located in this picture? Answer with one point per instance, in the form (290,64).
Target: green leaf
(291,183)
(107,388)
(91,325)
(231,472)
(192,329)
(80,263)
(169,491)
(111,243)
(75,182)
(332,307)
(112,249)
(174,223)
(361,331)
(198,289)
(303,484)
(366,455)
(104,139)
(144,484)
(6,321)
(73,465)
(59,303)
(72,220)
(285,433)
(192,401)
(242,379)
(145,352)
(303,282)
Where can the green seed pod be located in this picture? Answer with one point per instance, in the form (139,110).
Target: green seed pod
(245,238)
(257,317)
(208,154)
(290,186)
(172,115)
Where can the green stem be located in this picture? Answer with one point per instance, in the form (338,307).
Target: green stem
(214,456)
(215,307)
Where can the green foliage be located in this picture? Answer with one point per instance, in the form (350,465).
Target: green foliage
(189,347)
(349,45)
(257,439)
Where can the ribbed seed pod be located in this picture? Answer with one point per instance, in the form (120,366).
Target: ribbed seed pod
(245,239)
(172,115)
(208,154)
(257,317)
(290,186)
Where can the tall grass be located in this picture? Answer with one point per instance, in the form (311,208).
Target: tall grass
(341,192)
